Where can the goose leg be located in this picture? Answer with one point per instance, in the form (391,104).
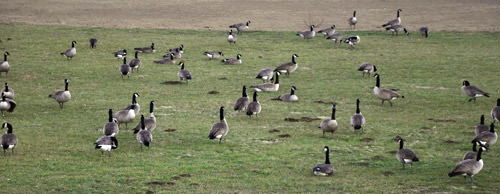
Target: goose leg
(390,103)
(3,152)
(220,140)
(109,154)
(126,127)
(403,165)
(382,103)
(3,115)
(323,133)
(102,153)
(13,151)
(471,180)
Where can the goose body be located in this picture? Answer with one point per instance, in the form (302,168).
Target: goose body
(179,49)
(353,20)
(62,96)
(136,107)
(358,120)
(394,21)
(176,52)
(268,87)
(8,140)
(385,94)
(149,123)
(367,68)
(265,74)
(307,34)
(219,130)
(328,31)
(213,54)
(111,127)
(231,38)
(150,49)
(424,31)
(469,167)
(254,107)
(233,61)
(166,60)
(325,169)
(144,137)
(405,155)
(4,65)
(495,111)
(183,74)
(288,67)
(7,91)
(93,42)
(125,116)
(487,138)
(120,53)
(337,37)
(243,101)
(125,68)
(481,127)
(290,97)
(70,53)
(329,125)
(396,28)
(352,40)
(106,144)
(135,63)
(241,26)
(473,91)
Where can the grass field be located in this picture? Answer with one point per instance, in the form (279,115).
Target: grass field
(56,154)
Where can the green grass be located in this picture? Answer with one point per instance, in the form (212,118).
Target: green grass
(55,151)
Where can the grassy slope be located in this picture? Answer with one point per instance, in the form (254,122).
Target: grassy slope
(56,154)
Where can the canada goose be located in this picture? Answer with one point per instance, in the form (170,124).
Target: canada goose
(288,67)
(481,127)
(289,97)
(62,96)
(150,123)
(385,94)
(150,49)
(137,107)
(183,74)
(125,116)
(473,154)
(265,74)
(4,65)
(93,42)
(487,138)
(241,26)
(353,20)
(367,68)
(120,53)
(106,143)
(352,40)
(424,31)
(268,87)
(135,63)
(111,127)
(231,38)
(8,92)
(144,137)
(396,28)
(219,129)
(473,91)
(176,52)
(70,53)
(213,54)
(405,155)
(358,120)
(394,21)
(329,125)
(325,169)
(242,102)
(469,167)
(328,31)
(179,49)
(495,111)
(166,60)
(337,37)
(9,140)
(307,34)
(7,104)
(233,61)
(125,68)
(254,107)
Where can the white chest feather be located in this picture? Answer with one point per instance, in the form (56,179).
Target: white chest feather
(106,147)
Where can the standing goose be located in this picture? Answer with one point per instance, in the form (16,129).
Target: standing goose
(405,155)
(328,31)
(137,107)
(62,96)
(337,37)
(265,74)
(213,54)
(385,94)
(473,91)
(111,127)
(220,129)
(93,42)
(150,49)
(231,38)
(144,137)
(481,127)
(233,61)
(268,87)
(424,31)
(125,116)
(358,120)
(9,140)
(183,74)
(473,154)
(241,26)
(70,53)
(353,20)
(288,67)
(495,111)
(394,21)
(352,40)
(396,28)
(469,167)
(487,138)
(106,143)
(329,125)
(4,65)
(367,68)
(166,60)
(289,97)
(243,101)
(120,53)
(7,104)
(307,34)
(254,107)
(325,169)
(149,123)
(125,68)
(135,63)
(8,92)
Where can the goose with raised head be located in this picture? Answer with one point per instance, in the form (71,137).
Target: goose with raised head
(231,38)
(394,21)
(213,54)
(367,68)
(481,127)
(469,167)
(8,91)
(9,140)
(219,130)
(125,116)
(328,31)
(291,97)
(4,65)
(111,127)
(330,125)
(254,107)
(265,74)
(135,63)
(241,26)
(325,169)
(385,94)
(487,138)
(307,34)
(62,96)
(233,61)
(183,74)
(358,121)
(166,60)
(268,87)
(149,123)
(149,49)
(144,137)
(473,154)
(473,91)
(288,67)
(137,106)
(106,144)
(405,155)
(70,53)
(353,20)
(125,68)
(243,101)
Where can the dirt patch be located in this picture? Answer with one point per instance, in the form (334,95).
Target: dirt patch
(175,178)
(157,183)
(441,120)
(223,78)
(377,157)
(366,139)
(214,92)
(451,142)
(302,119)
(324,102)
(425,128)
(170,130)
(149,192)
(185,175)
(387,173)
(361,164)
(284,135)
(194,184)
(392,152)
(172,82)
(274,131)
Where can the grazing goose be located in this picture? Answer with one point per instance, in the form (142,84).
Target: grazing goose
(125,68)
(135,63)
(473,91)
(337,37)
(358,120)
(325,169)
(137,107)
(125,116)
(176,52)
(8,92)
(469,167)
(120,53)
(254,107)
(353,20)
(396,28)
(242,102)
(233,61)
(231,38)
(183,74)
(213,54)
(405,155)
(144,137)
(4,65)
(367,68)
(9,140)
(288,67)
(289,97)
(473,154)
(328,31)
(7,104)
(62,96)
(150,49)
(268,87)
(179,49)
(166,60)
(352,40)
(111,127)
(424,31)
(149,123)
(394,21)
(70,53)
(487,138)
(495,111)
(241,26)
(106,143)
(385,94)
(219,129)
(265,74)
(93,42)
(481,127)
(329,125)
(307,34)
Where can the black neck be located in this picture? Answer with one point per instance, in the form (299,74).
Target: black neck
(378,82)
(474,147)
(482,120)
(327,156)
(498,102)
(124,60)
(221,114)
(292,92)
(5,57)
(492,128)
(182,66)
(333,112)
(354,14)
(401,144)
(171,56)
(312,28)
(6,87)
(478,157)
(244,93)
(66,86)
(134,100)
(255,96)
(9,130)
(238,57)
(115,141)
(293,59)
(357,107)
(72,44)
(143,125)
(152,45)
(277,80)
(151,107)
(398,13)
(110,113)
(3,96)
(136,52)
